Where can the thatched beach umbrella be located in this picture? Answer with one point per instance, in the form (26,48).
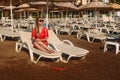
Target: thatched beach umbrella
(13,2)
(23,6)
(9,4)
(40,3)
(47,5)
(68,5)
(96,5)
(115,6)
(46,2)
(81,7)
(27,9)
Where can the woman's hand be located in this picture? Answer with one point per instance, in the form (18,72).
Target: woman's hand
(36,40)
(45,39)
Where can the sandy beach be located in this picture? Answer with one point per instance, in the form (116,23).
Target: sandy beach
(96,66)
(94,19)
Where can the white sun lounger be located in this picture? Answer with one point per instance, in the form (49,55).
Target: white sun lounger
(95,34)
(7,32)
(68,49)
(26,42)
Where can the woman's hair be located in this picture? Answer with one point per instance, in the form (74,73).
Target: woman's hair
(37,26)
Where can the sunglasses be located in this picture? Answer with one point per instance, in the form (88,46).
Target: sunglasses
(40,20)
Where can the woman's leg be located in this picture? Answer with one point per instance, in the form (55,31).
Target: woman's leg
(45,47)
(40,47)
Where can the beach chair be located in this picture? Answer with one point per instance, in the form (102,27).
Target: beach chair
(26,42)
(116,44)
(66,47)
(96,34)
(92,34)
(7,32)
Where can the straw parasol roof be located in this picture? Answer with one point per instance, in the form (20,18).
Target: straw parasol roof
(66,5)
(38,3)
(114,6)
(18,2)
(8,7)
(20,10)
(27,9)
(56,9)
(14,2)
(95,4)
(24,5)
(31,9)
(81,7)
(41,5)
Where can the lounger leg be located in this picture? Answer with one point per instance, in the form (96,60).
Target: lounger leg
(58,60)
(93,39)
(19,46)
(107,31)
(88,38)
(62,60)
(105,47)
(68,58)
(31,56)
(37,59)
(78,36)
(17,49)
(3,38)
(65,61)
(117,48)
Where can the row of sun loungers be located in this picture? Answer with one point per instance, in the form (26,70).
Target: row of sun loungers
(92,33)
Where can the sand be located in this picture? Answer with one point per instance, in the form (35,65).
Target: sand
(96,66)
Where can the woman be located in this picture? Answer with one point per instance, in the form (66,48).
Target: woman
(40,36)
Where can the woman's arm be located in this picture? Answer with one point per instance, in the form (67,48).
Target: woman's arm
(45,39)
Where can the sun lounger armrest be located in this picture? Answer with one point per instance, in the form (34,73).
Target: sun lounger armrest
(53,46)
(68,42)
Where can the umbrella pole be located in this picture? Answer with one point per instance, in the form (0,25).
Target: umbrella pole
(24,15)
(2,13)
(11,13)
(47,15)
(66,18)
(96,17)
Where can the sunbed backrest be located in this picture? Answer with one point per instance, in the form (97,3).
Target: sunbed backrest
(26,37)
(53,37)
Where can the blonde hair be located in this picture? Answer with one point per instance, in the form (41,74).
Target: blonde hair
(37,26)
